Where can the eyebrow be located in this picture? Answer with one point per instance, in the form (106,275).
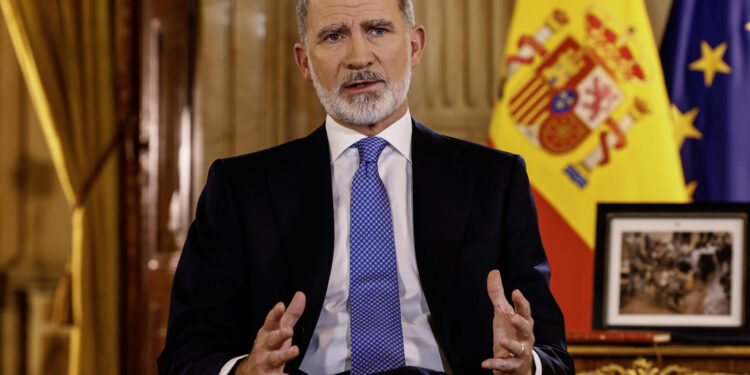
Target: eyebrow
(337,28)
(374,24)
(331,29)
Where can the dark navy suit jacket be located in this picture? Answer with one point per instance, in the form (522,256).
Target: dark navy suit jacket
(264,230)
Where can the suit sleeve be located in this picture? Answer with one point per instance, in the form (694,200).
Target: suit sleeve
(526,268)
(206,328)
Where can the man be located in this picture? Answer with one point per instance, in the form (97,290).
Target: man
(384,236)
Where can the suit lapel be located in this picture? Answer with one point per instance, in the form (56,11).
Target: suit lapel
(301,189)
(301,192)
(442,193)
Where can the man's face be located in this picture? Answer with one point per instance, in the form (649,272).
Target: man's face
(359,55)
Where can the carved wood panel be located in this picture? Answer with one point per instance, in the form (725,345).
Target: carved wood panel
(249,93)
(453,89)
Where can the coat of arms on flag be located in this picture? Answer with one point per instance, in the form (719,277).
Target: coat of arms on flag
(579,89)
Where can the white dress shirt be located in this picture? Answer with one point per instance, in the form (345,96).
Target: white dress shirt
(329,351)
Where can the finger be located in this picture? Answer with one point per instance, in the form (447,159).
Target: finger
(523,307)
(517,349)
(275,339)
(502,364)
(274,317)
(294,310)
(524,328)
(278,358)
(498,333)
(497,293)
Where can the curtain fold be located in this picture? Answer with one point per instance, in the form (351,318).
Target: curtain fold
(66,52)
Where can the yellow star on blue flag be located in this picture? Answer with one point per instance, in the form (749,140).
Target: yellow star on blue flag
(711,62)
(707,72)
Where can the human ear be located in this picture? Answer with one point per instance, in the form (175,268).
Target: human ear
(417,43)
(302,60)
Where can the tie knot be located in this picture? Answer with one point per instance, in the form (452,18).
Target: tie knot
(370,149)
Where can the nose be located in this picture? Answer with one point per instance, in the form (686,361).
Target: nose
(359,54)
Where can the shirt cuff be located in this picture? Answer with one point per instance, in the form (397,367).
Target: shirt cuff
(537,363)
(230,364)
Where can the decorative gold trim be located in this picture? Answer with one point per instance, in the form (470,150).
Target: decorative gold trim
(664,350)
(642,366)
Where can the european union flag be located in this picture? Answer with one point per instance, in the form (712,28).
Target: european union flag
(706,59)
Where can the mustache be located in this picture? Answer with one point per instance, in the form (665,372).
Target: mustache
(363,75)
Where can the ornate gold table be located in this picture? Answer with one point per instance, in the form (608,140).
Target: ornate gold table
(663,359)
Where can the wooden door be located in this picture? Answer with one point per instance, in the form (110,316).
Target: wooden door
(165,163)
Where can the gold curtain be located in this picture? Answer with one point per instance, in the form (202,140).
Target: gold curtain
(66,52)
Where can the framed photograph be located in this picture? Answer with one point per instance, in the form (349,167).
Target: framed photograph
(680,268)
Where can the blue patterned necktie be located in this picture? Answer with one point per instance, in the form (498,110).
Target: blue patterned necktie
(375,312)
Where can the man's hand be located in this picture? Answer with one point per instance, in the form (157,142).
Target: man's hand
(512,331)
(273,345)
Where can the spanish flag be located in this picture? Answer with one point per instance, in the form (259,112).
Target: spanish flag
(582,99)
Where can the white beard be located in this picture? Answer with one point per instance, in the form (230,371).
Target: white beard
(366,108)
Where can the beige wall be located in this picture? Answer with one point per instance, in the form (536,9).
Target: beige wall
(250,95)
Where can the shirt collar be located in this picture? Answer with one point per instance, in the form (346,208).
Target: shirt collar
(397,134)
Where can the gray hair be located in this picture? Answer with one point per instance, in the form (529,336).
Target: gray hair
(405,6)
